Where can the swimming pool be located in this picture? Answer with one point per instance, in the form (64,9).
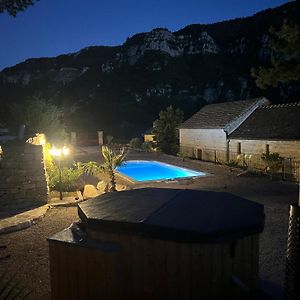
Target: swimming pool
(144,170)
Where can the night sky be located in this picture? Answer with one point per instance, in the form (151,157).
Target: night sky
(53,27)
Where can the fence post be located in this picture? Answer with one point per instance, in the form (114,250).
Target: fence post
(73,138)
(292,274)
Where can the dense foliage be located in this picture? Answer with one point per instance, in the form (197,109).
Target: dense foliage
(135,143)
(285,63)
(71,173)
(39,116)
(70,178)
(165,130)
(14,6)
(273,162)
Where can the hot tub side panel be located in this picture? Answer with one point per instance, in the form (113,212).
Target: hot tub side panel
(134,267)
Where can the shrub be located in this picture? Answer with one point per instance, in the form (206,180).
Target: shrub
(135,143)
(182,155)
(147,146)
(273,162)
(70,178)
(232,163)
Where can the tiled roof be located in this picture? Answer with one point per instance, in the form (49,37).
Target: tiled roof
(219,115)
(272,122)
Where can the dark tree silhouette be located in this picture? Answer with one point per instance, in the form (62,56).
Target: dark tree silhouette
(285,63)
(165,130)
(12,7)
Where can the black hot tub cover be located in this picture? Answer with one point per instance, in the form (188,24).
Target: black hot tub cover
(174,214)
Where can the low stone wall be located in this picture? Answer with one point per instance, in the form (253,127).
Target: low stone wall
(22,175)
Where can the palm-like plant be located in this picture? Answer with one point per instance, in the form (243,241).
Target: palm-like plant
(111,160)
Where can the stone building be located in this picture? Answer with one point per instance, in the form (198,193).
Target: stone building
(149,136)
(205,135)
(272,128)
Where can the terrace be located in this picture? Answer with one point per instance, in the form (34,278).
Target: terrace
(274,195)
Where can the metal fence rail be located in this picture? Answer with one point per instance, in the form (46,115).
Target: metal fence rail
(289,170)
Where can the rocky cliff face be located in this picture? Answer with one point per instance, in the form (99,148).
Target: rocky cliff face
(122,89)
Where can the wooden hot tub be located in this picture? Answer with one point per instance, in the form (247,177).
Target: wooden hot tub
(158,244)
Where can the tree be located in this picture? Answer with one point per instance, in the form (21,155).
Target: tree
(111,160)
(39,116)
(14,6)
(285,63)
(165,130)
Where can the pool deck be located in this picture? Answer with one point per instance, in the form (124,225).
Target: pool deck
(275,195)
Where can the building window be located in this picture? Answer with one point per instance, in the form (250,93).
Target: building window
(267,149)
(239,148)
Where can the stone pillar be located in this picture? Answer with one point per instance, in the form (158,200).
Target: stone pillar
(22,175)
(100,138)
(73,138)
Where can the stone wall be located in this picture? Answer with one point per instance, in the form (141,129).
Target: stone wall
(205,144)
(22,175)
(286,149)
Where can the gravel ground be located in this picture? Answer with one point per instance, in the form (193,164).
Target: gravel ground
(29,249)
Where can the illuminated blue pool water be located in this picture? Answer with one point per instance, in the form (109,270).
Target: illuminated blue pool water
(143,170)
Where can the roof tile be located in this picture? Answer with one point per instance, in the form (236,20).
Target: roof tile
(218,115)
(272,122)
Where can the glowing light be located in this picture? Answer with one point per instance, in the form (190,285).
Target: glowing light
(55,152)
(65,151)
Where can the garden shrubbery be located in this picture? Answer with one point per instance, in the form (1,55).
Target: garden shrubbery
(273,162)
(70,178)
(135,143)
(70,173)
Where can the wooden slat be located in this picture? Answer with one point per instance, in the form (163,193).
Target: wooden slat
(247,261)
(124,266)
(148,270)
(72,271)
(159,253)
(227,262)
(81,260)
(197,271)
(255,260)
(172,265)
(111,276)
(137,267)
(62,276)
(54,270)
(90,270)
(216,261)
(185,264)
(207,269)
(238,260)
